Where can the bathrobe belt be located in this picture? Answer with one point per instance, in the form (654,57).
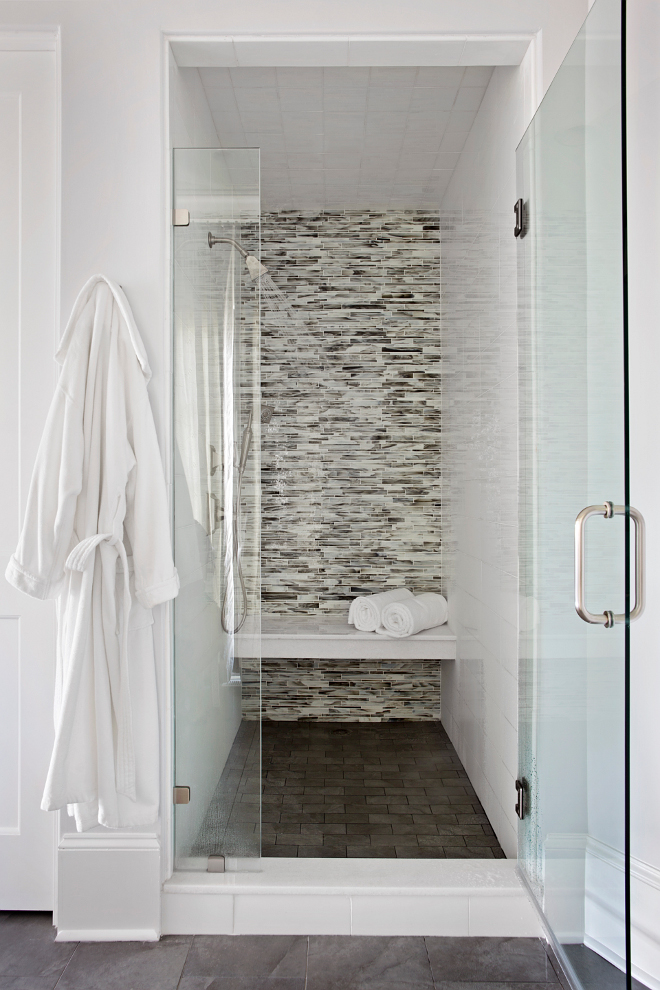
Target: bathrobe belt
(78,559)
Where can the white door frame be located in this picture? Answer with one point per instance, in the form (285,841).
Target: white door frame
(211,50)
(31,110)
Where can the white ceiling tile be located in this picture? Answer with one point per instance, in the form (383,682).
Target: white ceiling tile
(215,79)
(302,122)
(304,77)
(320,144)
(440,75)
(254,76)
(445,160)
(274,160)
(348,159)
(385,123)
(229,129)
(347,100)
(424,140)
(416,158)
(301,99)
(389,98)
(256,98)
(340,79)
(305,160)
(296,142)
(453,142)
(222,100)
(261,122)
(477,75)
(392,75)
(460,120)
(433,98)
(267,141)
(469,98)
(427,120)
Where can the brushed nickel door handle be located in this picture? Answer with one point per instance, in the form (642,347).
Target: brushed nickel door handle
(608,618)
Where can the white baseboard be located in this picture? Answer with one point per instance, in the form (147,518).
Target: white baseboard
(603,867)
(352,897)
(107,935)
(108,887)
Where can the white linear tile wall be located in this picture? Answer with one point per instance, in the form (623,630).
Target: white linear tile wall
(480,448)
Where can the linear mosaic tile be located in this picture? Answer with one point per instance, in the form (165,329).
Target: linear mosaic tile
(340,690)
(351,480)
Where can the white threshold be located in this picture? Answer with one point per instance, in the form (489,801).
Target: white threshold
(352,897)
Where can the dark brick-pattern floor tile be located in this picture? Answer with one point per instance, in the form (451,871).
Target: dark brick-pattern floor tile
(354,789)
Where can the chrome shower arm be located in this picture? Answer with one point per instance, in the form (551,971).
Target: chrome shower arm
(227,240)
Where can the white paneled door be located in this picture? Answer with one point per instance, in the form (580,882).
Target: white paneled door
(28,333)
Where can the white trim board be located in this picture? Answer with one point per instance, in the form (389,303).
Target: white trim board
(352,897)
(234,51)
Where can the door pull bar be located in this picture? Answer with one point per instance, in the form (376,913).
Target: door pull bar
(609,510)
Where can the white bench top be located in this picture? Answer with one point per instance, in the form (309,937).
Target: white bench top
(308,637)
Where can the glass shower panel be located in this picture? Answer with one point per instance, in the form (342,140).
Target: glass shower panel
(216,432)
(572,846)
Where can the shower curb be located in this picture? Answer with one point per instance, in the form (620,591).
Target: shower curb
(352,897)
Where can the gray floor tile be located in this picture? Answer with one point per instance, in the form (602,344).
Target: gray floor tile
(268,956)
(238,983)
(504,959)
(124,965)
(471,985)
(340,962)
(28,947)
(28,982)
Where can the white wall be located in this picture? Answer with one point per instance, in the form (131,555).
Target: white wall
(115,192)
(644,266)
(480,447)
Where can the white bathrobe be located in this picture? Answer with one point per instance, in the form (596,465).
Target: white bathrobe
(96,536)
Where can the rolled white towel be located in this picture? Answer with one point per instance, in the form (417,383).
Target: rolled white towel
(365,612)
(405,618)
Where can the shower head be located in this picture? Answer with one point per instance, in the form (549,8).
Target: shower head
(267,414)
(254,266)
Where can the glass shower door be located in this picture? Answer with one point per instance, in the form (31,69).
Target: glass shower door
(573,786)
(216,374)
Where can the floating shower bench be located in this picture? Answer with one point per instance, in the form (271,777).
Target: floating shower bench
(324,669)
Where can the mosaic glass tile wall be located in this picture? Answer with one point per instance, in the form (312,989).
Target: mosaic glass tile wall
(351,476)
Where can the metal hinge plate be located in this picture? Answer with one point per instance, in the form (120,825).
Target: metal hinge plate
(520,210)
(180,218)
(216,864)
(181,795)
(521,788)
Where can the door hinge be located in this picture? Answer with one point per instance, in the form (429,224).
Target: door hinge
(520,210)
(520,806)
(180,218)
(181,795)
(216,864)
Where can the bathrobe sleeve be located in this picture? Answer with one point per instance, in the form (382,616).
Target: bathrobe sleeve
(147,519)
(37,566)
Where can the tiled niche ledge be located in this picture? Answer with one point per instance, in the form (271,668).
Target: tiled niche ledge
(352,897)
(306,637)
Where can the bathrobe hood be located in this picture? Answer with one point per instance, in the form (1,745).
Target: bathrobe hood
(96,537)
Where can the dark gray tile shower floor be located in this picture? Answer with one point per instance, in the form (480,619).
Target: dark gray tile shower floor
(368,789)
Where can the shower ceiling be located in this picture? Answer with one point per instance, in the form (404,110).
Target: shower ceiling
(348,138)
